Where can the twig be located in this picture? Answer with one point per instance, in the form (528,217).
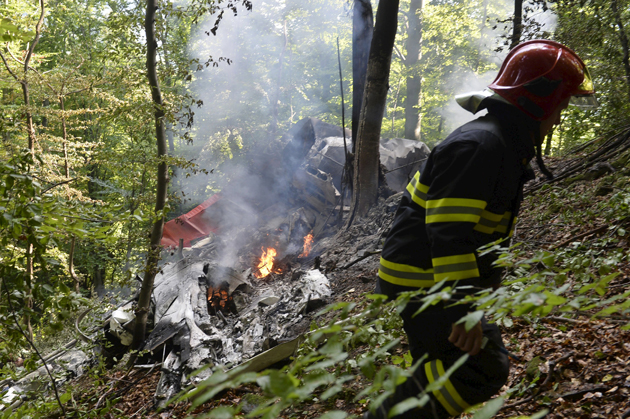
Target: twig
(405,165)
(100,399)
(564,319)
(141,409)
(77,325)
(17,323)
(367,255)
(580,236)
(552,367)
(58,184)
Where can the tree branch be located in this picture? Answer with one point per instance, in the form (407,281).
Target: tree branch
(38,29)
(4,60)
(400,55)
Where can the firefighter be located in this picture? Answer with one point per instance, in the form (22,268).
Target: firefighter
(467,195)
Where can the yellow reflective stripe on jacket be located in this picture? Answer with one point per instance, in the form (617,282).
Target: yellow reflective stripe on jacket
(490,222)
(447,395)
(454,210)
(505,221)
(418,191)
(453,268)
(405,275)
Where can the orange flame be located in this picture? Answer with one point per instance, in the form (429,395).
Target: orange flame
(308,244)
(266,263)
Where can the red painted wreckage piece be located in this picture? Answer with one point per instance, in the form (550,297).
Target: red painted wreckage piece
(194,224)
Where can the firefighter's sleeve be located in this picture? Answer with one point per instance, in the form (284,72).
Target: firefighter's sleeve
(463,177)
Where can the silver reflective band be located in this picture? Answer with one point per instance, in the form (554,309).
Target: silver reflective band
(584,101)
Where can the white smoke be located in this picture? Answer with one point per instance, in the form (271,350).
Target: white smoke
(238,98)
(542,22)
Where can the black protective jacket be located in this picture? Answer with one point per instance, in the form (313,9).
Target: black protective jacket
(467,196)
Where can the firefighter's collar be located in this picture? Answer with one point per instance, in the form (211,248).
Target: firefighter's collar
(473,101)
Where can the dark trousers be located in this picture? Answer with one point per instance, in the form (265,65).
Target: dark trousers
(476,381)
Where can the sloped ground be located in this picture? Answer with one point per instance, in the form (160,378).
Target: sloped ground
(575,366)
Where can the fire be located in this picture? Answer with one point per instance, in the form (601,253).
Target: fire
(308,244)
(266,263)
(219,300)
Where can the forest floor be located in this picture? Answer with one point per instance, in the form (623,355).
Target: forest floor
(571,364)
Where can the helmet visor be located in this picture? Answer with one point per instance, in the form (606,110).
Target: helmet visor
(584,101)
(584,97)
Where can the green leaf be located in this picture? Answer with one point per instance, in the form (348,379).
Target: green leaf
(549,260)
(334,414)
(490,408)
(368,369)
(222,412)
(65,397)
(407,404)
(278,383)
(553,299)
(537,415)
(17,230)
(471,319)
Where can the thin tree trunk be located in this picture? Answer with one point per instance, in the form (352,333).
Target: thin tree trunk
(366,168)
(65,138)
(547,150)
(518,23)
(132,208)
(395,106)
(623,38)
(24,81)
(482,27)
(73,274)
(362,29)
(414,85)
(29,116)
(153,256)
(99,281)
(276,99)
(29,286)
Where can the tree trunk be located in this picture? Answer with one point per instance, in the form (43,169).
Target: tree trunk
(365,179)
(482,30)
(30,278)
(24,81)
(66,166)
(276,97)
(362,28)
(73,274)
(547,150)
(99,281)
(518,23)
(623,38)
(153,256)
(414,86)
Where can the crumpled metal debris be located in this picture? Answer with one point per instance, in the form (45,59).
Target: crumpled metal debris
(68,365)
(268,314)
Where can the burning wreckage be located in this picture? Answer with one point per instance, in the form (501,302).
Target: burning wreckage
(242,292)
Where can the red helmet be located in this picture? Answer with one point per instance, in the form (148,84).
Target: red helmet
(539,75)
